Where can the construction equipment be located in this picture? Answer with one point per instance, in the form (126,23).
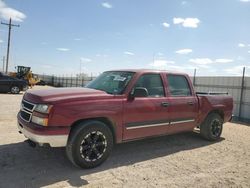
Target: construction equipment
(25,73)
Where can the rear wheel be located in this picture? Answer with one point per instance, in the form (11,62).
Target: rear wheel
(211,128)
(14,90)
(89,144)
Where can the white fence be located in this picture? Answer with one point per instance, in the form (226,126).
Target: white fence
(232,85)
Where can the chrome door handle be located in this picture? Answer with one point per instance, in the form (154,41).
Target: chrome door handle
(165,104)
(190,103)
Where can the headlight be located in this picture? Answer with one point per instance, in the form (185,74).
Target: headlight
(43,108)
(40,121)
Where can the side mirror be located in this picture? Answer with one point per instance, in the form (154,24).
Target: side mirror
(139,92)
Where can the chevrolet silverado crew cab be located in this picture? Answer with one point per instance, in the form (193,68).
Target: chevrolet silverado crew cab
(119,106)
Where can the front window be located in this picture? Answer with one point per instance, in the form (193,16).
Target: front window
(112,82)
(153,84)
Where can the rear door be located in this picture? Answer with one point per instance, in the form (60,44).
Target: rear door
(146,116)
(183,103)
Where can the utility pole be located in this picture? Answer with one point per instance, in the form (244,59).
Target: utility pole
(8,48)
(3,63)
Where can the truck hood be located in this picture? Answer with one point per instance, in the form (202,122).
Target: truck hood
(56,95)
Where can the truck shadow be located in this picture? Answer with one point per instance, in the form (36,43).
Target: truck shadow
(24,166)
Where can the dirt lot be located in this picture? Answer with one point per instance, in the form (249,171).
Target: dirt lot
(183,160)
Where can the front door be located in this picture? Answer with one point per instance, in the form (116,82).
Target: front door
(146,116)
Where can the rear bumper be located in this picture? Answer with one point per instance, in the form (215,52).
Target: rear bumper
(41,136)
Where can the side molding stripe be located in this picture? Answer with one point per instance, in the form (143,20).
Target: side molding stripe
(136,126)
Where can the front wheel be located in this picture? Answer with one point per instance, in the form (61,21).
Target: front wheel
(14,90)
(89,144)
(211,128)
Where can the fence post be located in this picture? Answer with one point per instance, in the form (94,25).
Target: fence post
(66,81)
(52,80)
(71,81)
(76,81)
(63,79)
(194,77)
(241,92)
(82,81)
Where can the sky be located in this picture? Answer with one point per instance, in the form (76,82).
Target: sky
(63,37)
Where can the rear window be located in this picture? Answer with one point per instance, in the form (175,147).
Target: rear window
(178,85)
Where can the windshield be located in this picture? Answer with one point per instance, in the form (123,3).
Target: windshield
(112,82)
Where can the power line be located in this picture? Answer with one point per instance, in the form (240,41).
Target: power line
(8,48)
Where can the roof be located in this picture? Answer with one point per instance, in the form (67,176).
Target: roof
(150,71)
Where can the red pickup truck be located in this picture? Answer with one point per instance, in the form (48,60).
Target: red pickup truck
(119,106)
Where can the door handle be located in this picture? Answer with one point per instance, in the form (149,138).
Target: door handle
(190,103)
(165,104)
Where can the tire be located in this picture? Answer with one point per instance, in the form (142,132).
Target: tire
(211,128)
(15,90)
(89,144)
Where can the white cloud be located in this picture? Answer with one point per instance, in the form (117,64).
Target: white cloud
(244,1)
(184,51)
(187,22)
(77,39)
(107,5)
(236,70)
(160,63)
(84,59)
(241,45)
(223,60)
(178,20)
(201,61)
(6,13)
(165,24)
(1,41)
(63,49)
(128,53)
(204,66)
(163,64)
(207,61)
(248,51)
(248,45)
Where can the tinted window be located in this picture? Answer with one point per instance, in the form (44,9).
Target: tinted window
(178,85)
(153,83)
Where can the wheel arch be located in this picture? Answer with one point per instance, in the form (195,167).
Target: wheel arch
(104,120)
(217,111)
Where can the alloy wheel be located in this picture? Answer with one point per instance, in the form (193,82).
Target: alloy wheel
(93,146)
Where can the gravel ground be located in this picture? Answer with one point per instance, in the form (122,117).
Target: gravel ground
(183,160)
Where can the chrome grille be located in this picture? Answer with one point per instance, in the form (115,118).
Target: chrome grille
(26,110)
(27,105)
(25,116)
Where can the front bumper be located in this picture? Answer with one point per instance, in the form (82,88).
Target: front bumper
(40,137)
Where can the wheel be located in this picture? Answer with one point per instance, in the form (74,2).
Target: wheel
(14,90)
(89,144)
(211,128)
